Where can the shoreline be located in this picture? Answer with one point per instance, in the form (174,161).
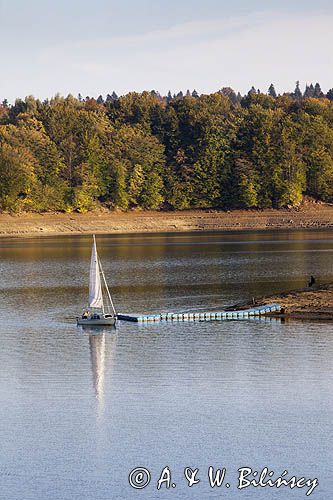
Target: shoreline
(312,216)
(315,303)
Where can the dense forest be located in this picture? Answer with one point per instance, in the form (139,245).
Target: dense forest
(180,151)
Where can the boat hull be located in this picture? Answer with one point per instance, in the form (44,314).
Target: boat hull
(96,322)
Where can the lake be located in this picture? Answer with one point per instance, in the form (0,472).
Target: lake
(80,409)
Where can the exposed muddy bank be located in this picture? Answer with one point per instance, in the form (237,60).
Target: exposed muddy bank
(313,216)
(310,303)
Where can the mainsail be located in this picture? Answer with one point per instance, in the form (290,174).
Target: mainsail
(95,285)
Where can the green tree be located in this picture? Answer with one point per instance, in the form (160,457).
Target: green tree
(317,91)
(271,91)
(297,92)
(289,173)
(17,177)
(136,162)
(329,94)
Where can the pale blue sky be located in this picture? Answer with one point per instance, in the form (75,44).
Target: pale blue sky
(96,47)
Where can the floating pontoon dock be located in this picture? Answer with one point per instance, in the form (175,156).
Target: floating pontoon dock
(202,316)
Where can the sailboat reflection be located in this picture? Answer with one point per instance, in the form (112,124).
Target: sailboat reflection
(101,350)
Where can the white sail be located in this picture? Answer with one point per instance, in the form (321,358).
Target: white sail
(95,286)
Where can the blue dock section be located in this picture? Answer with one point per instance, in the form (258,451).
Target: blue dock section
(202,316)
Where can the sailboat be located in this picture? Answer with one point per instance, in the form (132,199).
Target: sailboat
(100,311)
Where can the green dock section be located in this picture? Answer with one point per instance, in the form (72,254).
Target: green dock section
(202,316)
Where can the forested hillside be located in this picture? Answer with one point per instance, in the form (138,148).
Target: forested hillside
(174,152)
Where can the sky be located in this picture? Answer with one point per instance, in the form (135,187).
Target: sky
(95,47)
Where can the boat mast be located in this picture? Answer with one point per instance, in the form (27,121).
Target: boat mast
(103,311)
(107,288)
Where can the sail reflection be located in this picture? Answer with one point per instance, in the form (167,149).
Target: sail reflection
(101,346)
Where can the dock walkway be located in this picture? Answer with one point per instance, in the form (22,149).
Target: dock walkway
(202,316)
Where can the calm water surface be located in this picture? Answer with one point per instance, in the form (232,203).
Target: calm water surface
(79,410)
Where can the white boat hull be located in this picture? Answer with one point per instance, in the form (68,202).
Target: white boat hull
(96,322)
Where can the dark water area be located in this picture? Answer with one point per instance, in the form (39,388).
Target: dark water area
(79,409)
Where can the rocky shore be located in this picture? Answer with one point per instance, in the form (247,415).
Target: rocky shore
(313,215)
